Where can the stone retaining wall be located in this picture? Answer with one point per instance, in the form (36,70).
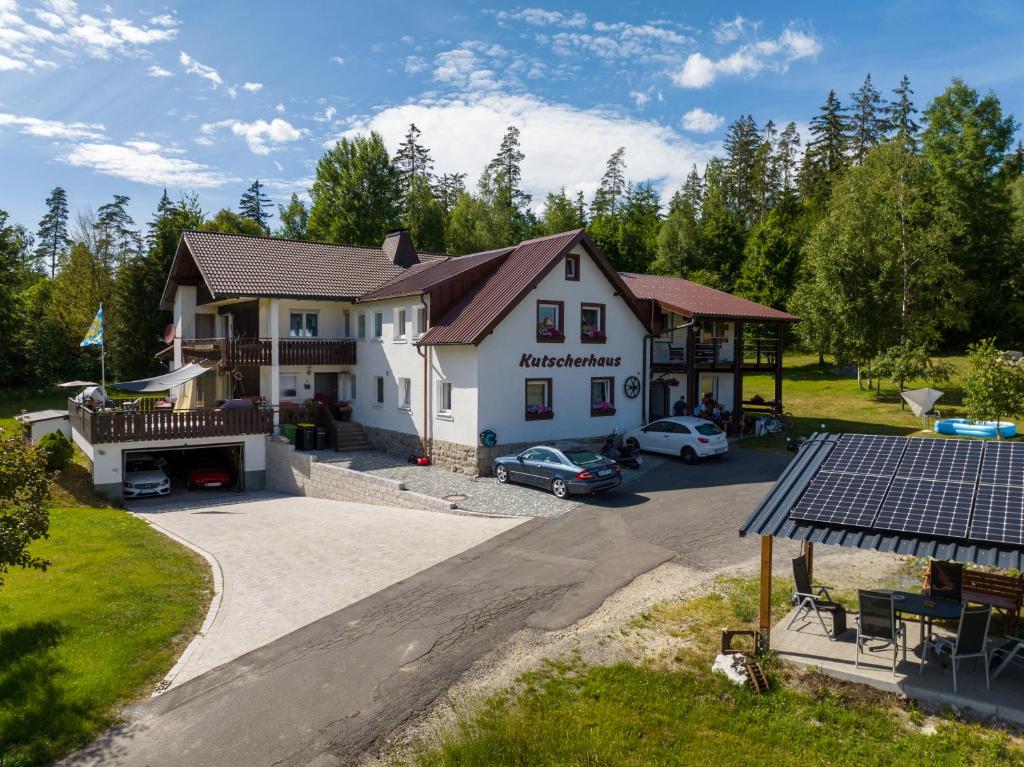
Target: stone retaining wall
(468,459)
(298,473)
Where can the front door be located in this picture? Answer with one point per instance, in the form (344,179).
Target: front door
(659,400)
(327,385)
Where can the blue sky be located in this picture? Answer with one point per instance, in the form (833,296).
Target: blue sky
(128,98)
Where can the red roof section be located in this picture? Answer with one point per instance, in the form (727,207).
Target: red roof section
(695,300)
(470,320)
(421,280)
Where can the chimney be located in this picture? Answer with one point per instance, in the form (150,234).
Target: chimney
(399,248)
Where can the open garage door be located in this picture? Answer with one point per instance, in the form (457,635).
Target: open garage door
(183,472)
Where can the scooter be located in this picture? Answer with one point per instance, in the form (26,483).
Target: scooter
(624,454)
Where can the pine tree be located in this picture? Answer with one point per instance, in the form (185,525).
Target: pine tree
(413,160)
(448,188)
(899,115)
(53,231)
(116,240)
(256,206)
(742,172)
(561,214)
(500,185)
(787,150)
(825,157)
(613,184)
(867,123)
(693,190)
(768,173)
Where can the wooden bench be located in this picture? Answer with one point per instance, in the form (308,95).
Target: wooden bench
(1004,593)
(767,407)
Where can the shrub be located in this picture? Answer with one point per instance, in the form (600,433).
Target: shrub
(57,450)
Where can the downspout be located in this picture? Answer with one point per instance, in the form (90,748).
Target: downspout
(426,381)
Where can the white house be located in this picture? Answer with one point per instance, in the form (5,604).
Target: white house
(459,358)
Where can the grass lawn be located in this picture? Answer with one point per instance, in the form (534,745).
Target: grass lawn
(816,395)
(99,628)
(12,404)
(571,714)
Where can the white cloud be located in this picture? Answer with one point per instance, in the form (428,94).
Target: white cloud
(414,64)
(699,71)
(654,42)
(407,39)
(279,109)
(145,162)
(327,115)
(69,34)
(563,145)
(337,60)
(7,64)
(34,126)
(278,165)
(640,98)
(193,67)
(540,17)
(155,71)
(260,135)
(252,87)
(728,31)
(698,120)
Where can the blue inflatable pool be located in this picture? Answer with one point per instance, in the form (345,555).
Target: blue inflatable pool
(965,428)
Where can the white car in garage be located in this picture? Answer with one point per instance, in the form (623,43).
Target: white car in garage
(688,437)
(144,475)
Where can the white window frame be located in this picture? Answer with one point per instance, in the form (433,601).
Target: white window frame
(443,410)
(361,326)
(378,322)
(400,326)
(379,391)
(405,394)
(421,320)
(304,313)
(281,379)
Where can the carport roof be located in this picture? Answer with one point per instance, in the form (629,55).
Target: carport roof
(773,517)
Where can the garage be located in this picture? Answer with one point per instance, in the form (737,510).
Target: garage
(183,471)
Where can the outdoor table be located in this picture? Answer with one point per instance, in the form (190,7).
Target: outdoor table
(909,603)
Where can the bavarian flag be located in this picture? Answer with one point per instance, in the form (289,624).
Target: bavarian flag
(95,335)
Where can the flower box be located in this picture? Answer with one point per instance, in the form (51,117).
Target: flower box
(550,334)
(539,413)
(602,408)
(593,337)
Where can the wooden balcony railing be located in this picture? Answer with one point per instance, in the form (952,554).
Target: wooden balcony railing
(105,426)
(254,352)
(759,352)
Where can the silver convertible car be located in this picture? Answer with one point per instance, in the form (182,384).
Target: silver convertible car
(565,471)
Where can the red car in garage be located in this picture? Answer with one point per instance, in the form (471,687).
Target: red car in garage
(202,477)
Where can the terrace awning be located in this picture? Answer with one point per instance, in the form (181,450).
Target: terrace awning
(163,382)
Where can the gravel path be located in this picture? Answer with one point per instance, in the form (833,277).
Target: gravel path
(482,495)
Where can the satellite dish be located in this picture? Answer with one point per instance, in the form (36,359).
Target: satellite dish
(169,332)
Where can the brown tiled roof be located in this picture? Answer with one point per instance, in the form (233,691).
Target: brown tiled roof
(470,320)
(433,274)
(695,300)
(238,265)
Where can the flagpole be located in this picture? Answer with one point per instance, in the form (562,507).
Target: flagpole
(103,354)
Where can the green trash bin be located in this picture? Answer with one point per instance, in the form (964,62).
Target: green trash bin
(288,430)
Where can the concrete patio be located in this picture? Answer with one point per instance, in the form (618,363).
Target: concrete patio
(807,645)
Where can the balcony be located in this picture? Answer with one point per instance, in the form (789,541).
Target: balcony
(254,352)
(760,353)
(104,426)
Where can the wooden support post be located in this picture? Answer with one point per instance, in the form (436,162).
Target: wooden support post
(765,613)
(691,367)
(778,365)
(807,549)
(737,380)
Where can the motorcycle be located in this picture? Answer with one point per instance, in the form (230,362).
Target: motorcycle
(624,454)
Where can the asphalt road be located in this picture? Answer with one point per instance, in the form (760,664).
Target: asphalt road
(325,694)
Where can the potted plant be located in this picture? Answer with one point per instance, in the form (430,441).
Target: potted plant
(549,332)
(537,412)
(343,410)
(602,408)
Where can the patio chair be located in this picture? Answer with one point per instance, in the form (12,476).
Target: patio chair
(877,620)
(946,580)
(814,598)
(971,641)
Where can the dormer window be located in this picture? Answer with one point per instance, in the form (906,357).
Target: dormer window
(572,267)
(549,322)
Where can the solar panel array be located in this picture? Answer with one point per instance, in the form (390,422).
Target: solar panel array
(937,487)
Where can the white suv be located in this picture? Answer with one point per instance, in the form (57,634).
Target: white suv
(688,437)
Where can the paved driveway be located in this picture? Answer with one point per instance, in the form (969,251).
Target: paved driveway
(282,562)
(326,693)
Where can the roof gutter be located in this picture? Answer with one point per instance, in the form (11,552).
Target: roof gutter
(425,353)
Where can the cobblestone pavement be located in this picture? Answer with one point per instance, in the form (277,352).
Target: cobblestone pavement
(482,495)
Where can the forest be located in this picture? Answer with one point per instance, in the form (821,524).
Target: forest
(893,232)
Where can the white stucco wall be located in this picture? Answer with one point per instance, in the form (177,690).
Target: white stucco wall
(502,380)
(331,316)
